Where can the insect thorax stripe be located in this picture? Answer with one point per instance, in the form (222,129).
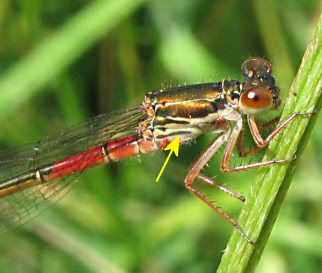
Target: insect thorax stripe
(184,114)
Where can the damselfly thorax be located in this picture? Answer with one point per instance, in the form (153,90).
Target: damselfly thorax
(45,170)
(190,111)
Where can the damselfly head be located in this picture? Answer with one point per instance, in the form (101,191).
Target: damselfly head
(259,93)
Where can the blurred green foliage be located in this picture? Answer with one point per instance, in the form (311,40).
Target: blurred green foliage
(64,61)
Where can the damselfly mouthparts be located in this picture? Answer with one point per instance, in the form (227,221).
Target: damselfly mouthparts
(43,171)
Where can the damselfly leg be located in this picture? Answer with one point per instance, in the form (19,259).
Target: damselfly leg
(231,137)
(241,139)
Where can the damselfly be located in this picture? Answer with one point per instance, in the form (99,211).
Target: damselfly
(39,172)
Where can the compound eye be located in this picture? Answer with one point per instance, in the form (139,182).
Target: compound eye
(256,68)
(256,99)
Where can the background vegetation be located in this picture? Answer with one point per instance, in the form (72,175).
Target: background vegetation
(62,62)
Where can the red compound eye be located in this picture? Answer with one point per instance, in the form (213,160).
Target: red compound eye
(256,99)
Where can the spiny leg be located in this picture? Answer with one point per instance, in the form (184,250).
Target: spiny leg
(241,143)
(229,151)
(194,174)
(260,142)
(213,182)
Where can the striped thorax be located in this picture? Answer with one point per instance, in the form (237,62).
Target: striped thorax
(190,111)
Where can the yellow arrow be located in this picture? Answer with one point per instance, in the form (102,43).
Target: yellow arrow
(174,147)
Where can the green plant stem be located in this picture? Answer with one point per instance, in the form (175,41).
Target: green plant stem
(269,191)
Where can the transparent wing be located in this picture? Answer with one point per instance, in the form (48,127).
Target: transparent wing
(20,207)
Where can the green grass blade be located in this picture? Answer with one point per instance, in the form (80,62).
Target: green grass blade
(268,192)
